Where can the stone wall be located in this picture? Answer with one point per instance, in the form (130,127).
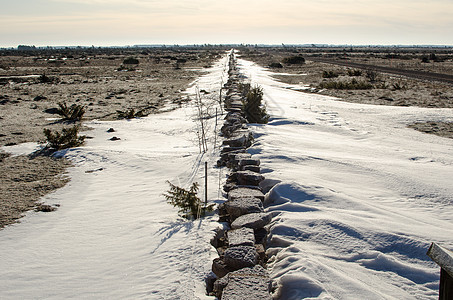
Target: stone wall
(240,268)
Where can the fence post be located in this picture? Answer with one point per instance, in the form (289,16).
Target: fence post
(205,183)
(444,258)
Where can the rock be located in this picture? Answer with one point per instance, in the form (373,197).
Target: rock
(248,283)
(242,206)
(219,268)
(219,285)
(39,98)
(261,236)
(241,257)
(115,138)
(242,138)
(111,130)
(241,237)
(267,184)
(234,158)
(249,178)
(230,149)
(254,220)
(255,169)
(261,254)
(52,111)
(242,162)
(45,208)
(245,192)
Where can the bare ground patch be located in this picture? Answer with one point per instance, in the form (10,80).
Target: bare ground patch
(23,181)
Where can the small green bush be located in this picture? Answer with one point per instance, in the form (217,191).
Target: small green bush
(67,138)
(294,60)
(244,88)
(71,113)
(329,74)
(131,61)
(189,204)
(346,85)
(254,111)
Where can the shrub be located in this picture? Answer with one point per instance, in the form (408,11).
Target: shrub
(189,204)
(329,74)
(67,138)
(341,85)
(131,61)
(354,72)
(72,113)
(130,114)
(244,88)
(294,60)
(45,79)
(275,65)
(4,155)
(253,110)
(372,75)
(397,86)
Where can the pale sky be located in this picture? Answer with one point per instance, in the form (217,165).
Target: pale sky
(116,22)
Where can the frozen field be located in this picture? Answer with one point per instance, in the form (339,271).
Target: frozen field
(361,198)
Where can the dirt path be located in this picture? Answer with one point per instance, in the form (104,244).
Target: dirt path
(397,71)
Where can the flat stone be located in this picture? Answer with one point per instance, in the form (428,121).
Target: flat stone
(230,149)
(248,283)
(255,169)
(233,109)
(254,220)
(242,206)
(243,138)
(241,237)
(248,162)
(245,192)
(249,178)
(240,257)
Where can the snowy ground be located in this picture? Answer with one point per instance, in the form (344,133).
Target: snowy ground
(114,236)
(361,198)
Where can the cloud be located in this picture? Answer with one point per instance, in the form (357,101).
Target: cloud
(262,21)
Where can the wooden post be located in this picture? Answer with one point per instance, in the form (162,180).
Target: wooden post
(444,258)
(205,183)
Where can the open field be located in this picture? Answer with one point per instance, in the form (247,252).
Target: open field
(324,69)
(32,83)
(358,199)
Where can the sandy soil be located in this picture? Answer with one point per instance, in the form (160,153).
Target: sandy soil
(94,78)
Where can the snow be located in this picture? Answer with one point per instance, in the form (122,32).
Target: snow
(361,195)
(114,236)
(360,200)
